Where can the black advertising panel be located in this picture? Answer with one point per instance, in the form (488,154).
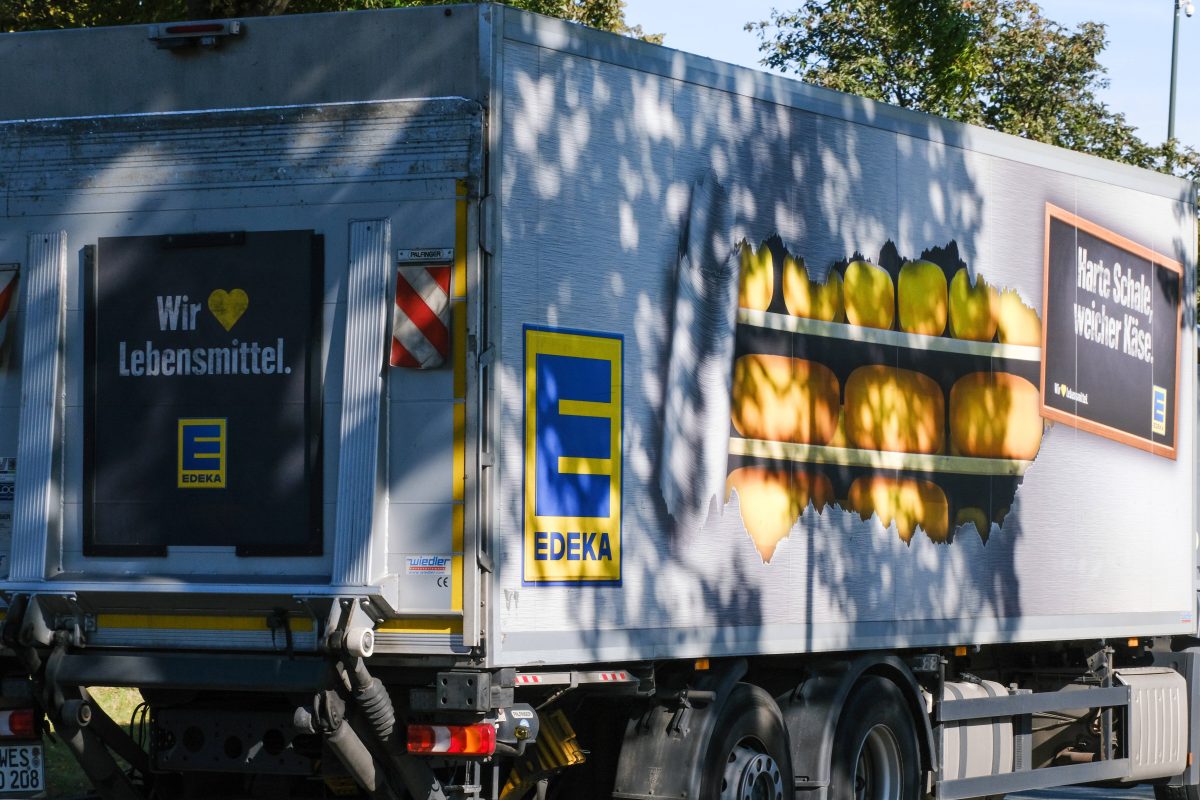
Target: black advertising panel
(1112,317)
(203,412)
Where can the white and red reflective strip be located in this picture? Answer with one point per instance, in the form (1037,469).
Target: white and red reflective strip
(421,317)
(573,678)
(8,296)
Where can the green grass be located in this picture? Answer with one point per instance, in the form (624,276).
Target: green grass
(63,775)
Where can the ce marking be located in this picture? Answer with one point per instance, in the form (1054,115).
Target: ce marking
(443,583)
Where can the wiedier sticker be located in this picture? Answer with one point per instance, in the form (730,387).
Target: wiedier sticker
(202,453)
(573,411)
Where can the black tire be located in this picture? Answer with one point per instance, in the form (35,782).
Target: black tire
(747,757)
(875,754)
(1177,793)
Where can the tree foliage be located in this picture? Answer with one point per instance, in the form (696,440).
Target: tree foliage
(997,63)
(26,15)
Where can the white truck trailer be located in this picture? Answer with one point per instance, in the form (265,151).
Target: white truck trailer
(454,402)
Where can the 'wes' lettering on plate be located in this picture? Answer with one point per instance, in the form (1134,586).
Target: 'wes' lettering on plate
(573,408)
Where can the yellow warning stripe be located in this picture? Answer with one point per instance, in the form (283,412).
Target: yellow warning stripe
(456,560)
(459,484)
(196,622)
(458,346)
(458,321)
(460,241)
(429,626)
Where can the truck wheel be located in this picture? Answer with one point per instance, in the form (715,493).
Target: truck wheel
(875,754)
(1177,792)
(748,756)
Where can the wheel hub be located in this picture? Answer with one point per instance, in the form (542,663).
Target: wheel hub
(751,775)
(878,769)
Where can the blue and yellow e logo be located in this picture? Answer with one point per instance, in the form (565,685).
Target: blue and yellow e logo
(1158,414)
(573,409)
(202,453)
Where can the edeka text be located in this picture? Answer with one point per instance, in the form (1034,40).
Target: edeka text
(572,546)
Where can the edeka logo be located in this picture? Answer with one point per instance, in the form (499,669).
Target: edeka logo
(573,451)
(1158,412)
(202,453)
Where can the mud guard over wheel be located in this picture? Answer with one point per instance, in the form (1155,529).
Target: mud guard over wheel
(747,756)
(717,740)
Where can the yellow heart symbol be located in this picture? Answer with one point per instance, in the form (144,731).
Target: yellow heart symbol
(228,307)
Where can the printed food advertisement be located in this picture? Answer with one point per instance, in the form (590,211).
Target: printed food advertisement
(791,382)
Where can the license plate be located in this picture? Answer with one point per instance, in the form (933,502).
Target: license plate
(22,770)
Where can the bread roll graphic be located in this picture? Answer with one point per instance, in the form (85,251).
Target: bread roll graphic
(771,500)
(973,309)
(756,280)
(869,295)
(784,399)
(888,408)
(906,501)
(805,297)
(1016,322)
(995,415)
(921,298)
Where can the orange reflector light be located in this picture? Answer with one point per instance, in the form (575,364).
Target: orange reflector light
(702,664)
(19,723)
(1134,643)
(961,650)
(460,740)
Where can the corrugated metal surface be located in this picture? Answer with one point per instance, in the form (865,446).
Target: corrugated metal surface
(699,72)
(598,164)
(289,59)
(37,513)
(1158,721)
(207,159)
(362,386)
(396,163)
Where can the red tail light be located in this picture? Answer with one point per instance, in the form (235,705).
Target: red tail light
(462,740)
(18,723)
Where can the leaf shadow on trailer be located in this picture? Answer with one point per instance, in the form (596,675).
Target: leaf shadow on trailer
(621,174)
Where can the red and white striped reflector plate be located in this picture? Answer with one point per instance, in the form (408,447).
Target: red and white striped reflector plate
(462,740)
(421,318)
(18,723)
(8,296)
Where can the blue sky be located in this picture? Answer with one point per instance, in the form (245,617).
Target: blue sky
(1138,56)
